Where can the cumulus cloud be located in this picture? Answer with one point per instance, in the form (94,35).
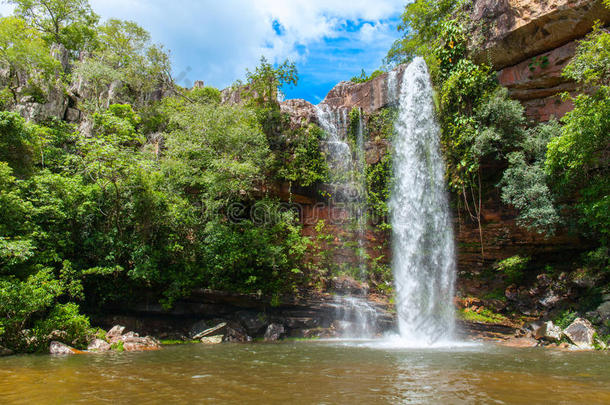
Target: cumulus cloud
(216,41)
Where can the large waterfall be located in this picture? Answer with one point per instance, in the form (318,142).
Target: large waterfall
(422,239)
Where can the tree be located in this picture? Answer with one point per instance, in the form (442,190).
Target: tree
(266,81)
(125,68)
(67,22)
(421,24)
(25,54)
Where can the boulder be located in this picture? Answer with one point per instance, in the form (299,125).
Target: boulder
(59,348)
(274,332)
(134,343)
(98,345)
(581,333)
(212,340)
(548,331)
(115,333)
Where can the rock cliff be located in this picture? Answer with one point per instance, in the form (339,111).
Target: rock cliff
(529,42)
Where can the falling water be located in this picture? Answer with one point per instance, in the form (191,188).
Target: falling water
(356,317)
(423,246)
(391,87)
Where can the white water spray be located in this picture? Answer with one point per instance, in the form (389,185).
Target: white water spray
(422,233)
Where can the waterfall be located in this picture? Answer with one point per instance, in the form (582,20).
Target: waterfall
(356,317)
(422,234)
(347,172)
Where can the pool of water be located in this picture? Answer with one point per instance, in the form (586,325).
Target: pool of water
(309,372)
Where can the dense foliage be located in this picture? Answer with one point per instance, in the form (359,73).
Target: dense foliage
(158,189)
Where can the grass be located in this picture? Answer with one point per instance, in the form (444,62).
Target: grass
(483,316)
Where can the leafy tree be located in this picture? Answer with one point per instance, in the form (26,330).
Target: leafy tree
(68,22)
(267,80)
(16,142)
(421,24)
(125,68)
(26,56)
(525,181)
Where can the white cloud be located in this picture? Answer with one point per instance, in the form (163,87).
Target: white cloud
(218,40)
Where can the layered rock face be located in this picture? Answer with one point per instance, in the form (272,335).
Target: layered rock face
(529,42)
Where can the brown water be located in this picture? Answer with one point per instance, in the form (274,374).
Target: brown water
(309,372)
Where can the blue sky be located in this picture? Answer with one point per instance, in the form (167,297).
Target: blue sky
(216,41)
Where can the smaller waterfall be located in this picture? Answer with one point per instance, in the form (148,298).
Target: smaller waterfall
(357,318)
(422,234)
(391,87)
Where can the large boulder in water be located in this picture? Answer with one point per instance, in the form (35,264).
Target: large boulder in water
(59,348)
(133,342)
(581,333)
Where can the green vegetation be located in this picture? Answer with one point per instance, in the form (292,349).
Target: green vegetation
(513,268)
(158,194)
(483,315)
(556,173)
(363,78)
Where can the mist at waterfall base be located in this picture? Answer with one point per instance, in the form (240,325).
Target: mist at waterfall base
(422,235)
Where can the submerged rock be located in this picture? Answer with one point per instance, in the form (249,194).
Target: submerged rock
(274,332)
(581,333)
(59,348)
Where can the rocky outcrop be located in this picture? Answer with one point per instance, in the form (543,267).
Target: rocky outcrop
(507,32)
(370,96)
(130,341)
(243,314)
(301,112)
(529,42)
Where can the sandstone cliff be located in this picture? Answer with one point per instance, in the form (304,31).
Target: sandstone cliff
(529,42)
